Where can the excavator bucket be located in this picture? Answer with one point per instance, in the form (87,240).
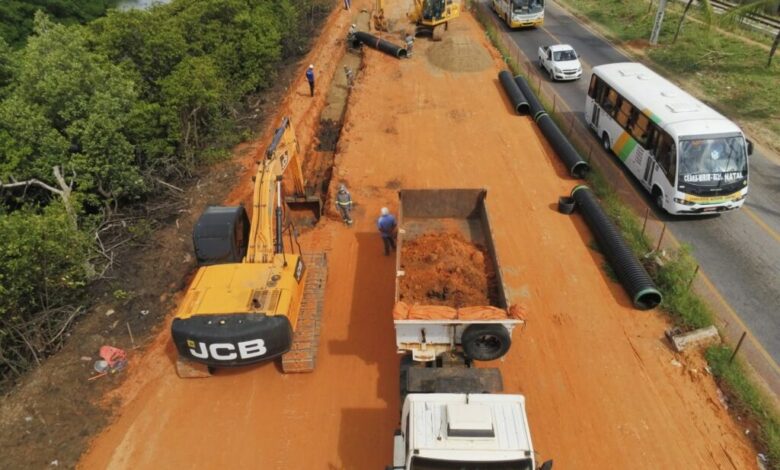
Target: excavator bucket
(304,211)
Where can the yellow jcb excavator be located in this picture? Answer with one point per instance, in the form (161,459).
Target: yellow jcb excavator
(251,300)
(433,16)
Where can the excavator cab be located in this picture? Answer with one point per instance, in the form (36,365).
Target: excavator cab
(433,16)
(221,235)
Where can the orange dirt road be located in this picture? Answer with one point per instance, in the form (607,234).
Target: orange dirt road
(603,390)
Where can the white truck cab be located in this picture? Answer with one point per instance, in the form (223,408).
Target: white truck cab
(464,432)
(560,61)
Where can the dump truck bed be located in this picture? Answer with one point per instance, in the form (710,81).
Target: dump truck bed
(436,281)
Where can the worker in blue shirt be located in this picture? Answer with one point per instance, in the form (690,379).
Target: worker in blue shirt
(386,225)
(310,78)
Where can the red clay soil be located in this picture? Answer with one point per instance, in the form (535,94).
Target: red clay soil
(445,269)
(603,389)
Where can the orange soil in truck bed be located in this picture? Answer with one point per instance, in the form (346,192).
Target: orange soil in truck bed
(603,389)
(445,269)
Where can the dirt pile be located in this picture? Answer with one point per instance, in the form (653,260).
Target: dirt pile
(445,269)
(459,54)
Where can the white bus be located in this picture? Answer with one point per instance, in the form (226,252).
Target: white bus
(520,13)
(688,156)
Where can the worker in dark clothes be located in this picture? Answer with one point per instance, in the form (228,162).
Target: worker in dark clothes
(386,225)
(310,78)
(344,203)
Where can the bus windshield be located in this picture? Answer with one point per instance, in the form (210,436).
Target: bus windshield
(712,162)
(527,6)
(422,463)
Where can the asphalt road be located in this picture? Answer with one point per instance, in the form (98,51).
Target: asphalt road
(739,252)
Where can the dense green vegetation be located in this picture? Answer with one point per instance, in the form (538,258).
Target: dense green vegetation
(673,278)
(93,117)
(16,16)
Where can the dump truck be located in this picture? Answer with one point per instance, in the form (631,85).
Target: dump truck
(447,325)
(454,414)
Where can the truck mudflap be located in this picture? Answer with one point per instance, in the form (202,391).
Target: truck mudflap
(233,339)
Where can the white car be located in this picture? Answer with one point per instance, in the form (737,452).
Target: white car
(560,61)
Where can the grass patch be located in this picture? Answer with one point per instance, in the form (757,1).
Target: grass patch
(673,277)
(746,400)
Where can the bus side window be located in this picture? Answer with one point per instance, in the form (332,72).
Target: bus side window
(609,103)
(624,113)
(638,126)
(592,87)
(666,156)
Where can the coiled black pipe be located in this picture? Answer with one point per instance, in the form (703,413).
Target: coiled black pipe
(578,167)
(361,37)
(518,99)
(627,267)
(536,107)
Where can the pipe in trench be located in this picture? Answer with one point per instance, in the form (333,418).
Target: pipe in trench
(578,167)
(630,272)
(361,37)
(518,99)
(536,107)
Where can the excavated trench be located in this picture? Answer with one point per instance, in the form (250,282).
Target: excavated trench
(319,159)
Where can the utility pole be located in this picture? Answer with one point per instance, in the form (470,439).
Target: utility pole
(659,19)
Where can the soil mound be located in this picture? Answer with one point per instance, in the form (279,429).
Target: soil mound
(446,269)
(459,54)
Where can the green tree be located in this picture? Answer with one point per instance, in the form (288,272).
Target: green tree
(42,260)
(194,95)
(70,108)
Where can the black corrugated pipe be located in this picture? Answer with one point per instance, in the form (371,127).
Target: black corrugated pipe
(377,43)
(578,167)
(627,267)
(519,102)
(536,107)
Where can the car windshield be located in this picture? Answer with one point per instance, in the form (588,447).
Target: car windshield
(421,463)
(527,6)
(712,162)
(561,56)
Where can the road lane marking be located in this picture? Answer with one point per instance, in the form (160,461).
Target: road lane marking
(761,223)
(742,325)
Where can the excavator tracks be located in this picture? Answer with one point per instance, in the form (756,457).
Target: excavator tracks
(306,339)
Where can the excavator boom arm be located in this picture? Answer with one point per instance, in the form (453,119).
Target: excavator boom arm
(281,154)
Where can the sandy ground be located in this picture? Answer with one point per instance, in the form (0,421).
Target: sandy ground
(603,390)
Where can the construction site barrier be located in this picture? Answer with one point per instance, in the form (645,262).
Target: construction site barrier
(578,167)
(518,99)
(370,40)
(629,271)
(536,107)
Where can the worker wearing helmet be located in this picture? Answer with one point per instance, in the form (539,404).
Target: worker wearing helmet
(351,36)
(344,204)
(310,78)
(386,225)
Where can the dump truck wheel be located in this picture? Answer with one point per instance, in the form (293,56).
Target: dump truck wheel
(483,342)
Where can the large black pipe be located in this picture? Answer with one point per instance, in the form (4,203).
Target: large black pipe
(627,267)
(578,167)
(361,37)
(536,107)
(519,102)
